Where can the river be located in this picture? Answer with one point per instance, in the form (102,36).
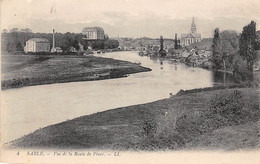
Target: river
(30,108)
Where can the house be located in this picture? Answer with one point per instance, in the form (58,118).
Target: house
(58,49)
(205,54)
(192,37)
(72,49)
(155,48)
(141,48)
(177,53)
(37,45)
(93,33)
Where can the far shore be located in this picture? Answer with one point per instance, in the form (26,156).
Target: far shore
(30,70)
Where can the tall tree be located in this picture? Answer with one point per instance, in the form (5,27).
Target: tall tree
(229,47)
(247,44)
(216,48)
(176,42)
(161,43)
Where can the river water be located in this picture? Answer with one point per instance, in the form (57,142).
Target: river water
(27,109)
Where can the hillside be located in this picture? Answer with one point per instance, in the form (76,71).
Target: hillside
(183,122)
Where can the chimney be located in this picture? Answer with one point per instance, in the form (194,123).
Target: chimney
(53,39)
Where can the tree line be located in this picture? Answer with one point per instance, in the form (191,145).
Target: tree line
(14,40)
(236,52)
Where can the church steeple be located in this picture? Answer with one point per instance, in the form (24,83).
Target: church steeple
(193,26)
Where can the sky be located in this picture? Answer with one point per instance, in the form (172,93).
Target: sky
(130,18)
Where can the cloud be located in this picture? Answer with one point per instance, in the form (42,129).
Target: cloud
(130,17)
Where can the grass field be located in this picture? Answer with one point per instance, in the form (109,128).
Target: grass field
(27,70)
(182,122)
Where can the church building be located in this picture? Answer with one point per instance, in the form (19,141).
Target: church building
(192,37)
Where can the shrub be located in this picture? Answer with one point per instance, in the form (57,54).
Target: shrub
(229,106)
(241,72)
(155,136)
(148,129)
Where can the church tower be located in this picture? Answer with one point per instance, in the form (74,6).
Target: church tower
(193,26)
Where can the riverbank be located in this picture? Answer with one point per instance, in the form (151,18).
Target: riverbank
(183,122)
(28,70)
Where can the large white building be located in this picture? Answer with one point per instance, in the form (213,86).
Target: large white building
(93,33)
(37,45)
(192,37)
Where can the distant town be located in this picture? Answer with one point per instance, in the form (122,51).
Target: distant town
(189,48)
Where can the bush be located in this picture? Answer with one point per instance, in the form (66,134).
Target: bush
(229,106)
(241,72)
(155,136)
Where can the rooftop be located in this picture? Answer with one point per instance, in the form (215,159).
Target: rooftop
(92,28)
(194,35)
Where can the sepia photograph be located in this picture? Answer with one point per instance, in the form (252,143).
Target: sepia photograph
(130,81)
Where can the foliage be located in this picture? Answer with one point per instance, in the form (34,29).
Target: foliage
(247,45)
(225,47)
(155,135)
(229,47)
(240,70)
(176,42)
(236,53)
(229,106)
(110,44)
(15,40)
(257,44)
(161,43)
(216,48)
(149,129)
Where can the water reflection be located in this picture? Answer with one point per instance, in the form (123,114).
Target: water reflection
(220,78)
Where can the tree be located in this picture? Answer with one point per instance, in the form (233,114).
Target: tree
(161,43)
(216,48)
(176,42)
(4,31)
(161,51)
(225,46)
(257,45)
(229,41)
(106,37)
(26,30)
(240,71)
(14,30)
(247,44)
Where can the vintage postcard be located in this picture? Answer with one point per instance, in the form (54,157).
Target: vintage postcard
(130,81)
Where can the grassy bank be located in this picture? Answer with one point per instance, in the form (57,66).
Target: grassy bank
(211,119)
(28,70)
